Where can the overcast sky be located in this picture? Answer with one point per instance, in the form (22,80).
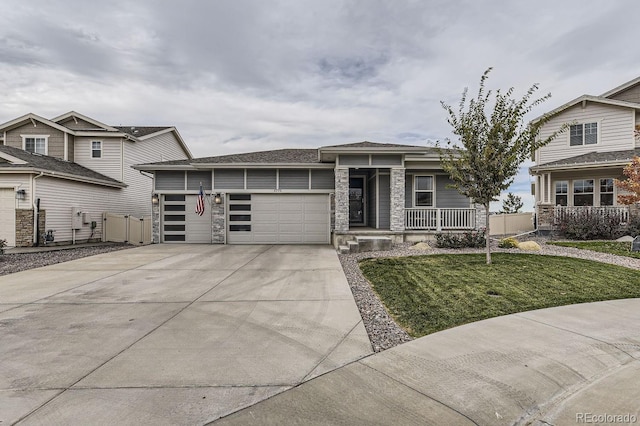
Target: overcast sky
(239,75)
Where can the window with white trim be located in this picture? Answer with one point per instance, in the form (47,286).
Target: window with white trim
(606,192)
(583,134)
(583,192)
(96,149)
(423,191)
(35,144)
(562,193)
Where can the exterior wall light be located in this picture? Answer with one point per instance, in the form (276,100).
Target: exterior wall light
(21,194)
(155,199)
(217,198)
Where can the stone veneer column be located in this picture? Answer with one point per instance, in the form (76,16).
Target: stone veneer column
(397,199)
(155,222)
(342,200)
(481,216)
(218,219)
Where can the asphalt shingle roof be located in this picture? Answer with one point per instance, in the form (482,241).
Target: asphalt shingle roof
(51,164)
(595,158)
(367,144)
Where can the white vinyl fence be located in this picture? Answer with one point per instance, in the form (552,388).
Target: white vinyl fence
(121,228)
(510,224)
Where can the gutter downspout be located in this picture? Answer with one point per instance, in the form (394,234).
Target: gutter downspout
(36,211)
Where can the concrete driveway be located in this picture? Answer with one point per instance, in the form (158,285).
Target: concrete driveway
(577,364)
(171,334)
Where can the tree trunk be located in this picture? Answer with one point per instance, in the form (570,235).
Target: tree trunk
(486,211)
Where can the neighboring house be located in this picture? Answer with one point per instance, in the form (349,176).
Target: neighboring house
(308,196)
(576,170)
(51,170)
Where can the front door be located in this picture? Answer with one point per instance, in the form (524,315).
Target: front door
(357,201)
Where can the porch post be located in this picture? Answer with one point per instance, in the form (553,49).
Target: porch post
(342,200)
(397,199)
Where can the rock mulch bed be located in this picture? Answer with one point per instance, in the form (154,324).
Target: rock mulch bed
(384,332)
(16,262)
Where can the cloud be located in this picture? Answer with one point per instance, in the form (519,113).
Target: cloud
(236,76)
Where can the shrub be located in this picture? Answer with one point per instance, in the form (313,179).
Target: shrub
(508,243)
(3,244)
(633,227)
(473,239)
(588,224)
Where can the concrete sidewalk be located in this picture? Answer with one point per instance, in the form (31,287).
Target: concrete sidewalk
(171,334)
(559,366)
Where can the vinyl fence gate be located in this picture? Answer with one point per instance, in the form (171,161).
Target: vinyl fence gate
(121,228)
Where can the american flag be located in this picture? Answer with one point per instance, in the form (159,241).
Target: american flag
(200,202)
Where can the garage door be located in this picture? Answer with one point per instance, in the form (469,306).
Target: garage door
(8,216)
(180,223)
(278,219)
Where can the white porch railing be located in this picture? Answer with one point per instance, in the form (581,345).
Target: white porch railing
(439,219)
(621,211)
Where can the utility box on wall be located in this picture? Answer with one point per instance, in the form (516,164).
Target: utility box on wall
(86,218)
(76,218)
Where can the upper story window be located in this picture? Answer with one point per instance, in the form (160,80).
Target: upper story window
(583,134)
(96,149)
(36,144)
(423,191)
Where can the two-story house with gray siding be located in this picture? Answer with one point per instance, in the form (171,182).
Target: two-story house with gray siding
(577,170)
(50,168)
(308,196)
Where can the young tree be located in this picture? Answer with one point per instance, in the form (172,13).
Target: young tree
(495,141)
(512,204)
(631,184)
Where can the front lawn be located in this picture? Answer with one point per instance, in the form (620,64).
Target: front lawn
(426,294)
(613,247)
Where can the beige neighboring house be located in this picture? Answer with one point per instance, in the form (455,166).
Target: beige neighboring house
(73,165)
(576,171)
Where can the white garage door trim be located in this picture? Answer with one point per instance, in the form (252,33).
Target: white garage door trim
(278,219)
(8,215)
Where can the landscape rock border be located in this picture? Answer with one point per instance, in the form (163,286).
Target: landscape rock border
(384,333)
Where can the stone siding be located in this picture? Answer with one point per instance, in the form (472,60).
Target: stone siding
(24,226)
(481,216)
(155,223)
(342,200)
(397,199)
(218,221)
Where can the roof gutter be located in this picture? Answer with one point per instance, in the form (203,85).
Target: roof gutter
(612,163)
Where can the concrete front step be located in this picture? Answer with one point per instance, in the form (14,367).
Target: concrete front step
(344,250)
(372,243)
(354,246)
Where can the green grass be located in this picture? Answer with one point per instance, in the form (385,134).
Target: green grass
(613,247)
(426,294)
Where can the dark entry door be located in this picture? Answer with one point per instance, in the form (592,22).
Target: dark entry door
(356,200)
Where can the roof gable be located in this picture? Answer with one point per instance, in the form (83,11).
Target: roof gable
(33,118)
(72,115)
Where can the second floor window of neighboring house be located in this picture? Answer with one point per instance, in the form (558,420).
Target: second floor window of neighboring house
(583,192)
(562,192)
(423,190)
(36,144)
(606,192)
(583,134)
(96,149)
